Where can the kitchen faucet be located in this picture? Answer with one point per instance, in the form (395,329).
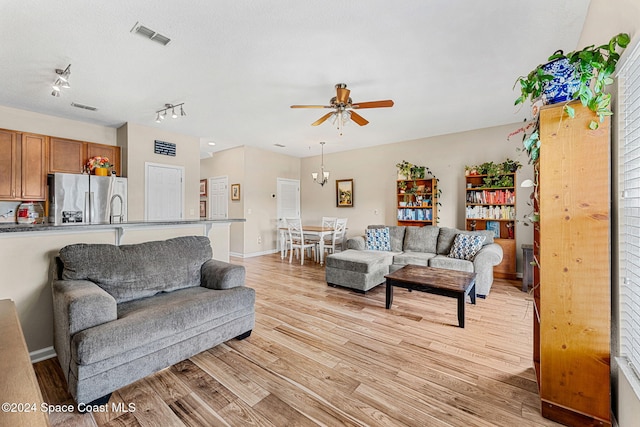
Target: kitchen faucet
(111,215)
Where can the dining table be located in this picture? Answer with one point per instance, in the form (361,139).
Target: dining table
(308,230)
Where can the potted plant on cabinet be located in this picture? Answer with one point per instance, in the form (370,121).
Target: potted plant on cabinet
(582,74)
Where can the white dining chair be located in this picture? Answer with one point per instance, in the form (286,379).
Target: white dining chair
(329,222)
(334,242)
(297,240)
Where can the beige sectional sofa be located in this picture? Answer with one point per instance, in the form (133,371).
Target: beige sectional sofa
(362,269)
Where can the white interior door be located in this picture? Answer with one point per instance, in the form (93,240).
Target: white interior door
(164,192)
(287,202)
(218,197)
(288,198)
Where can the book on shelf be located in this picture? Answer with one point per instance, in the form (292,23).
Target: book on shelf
(495,227)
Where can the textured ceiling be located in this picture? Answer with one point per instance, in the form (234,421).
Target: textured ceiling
(238,65)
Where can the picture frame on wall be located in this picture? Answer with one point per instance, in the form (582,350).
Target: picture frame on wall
(203,188)
(344,193)
(203,208)
(235,191)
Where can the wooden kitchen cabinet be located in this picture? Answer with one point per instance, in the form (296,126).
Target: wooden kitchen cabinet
(9,159)
(66,155)
(71,156)
(33,162)
(22,166)
(112,152)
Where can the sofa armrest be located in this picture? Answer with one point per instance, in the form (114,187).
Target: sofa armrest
(357,242)
(81,304)
(219,275)
(489,256)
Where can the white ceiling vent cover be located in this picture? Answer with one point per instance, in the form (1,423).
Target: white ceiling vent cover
(150,34)
(85,107)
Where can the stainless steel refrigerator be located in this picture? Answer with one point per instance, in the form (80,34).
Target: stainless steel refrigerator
(86,199)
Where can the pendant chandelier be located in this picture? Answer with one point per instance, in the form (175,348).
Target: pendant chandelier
(324,174)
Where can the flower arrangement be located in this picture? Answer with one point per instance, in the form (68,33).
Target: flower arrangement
(98,162)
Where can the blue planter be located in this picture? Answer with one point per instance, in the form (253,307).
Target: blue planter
(566,81)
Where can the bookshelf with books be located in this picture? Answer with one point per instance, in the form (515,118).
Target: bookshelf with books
(417,201)
(491,205)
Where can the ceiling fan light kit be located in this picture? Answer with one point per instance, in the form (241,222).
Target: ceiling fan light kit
(343,107)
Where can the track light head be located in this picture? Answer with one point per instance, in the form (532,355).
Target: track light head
(173,113)
(61,81)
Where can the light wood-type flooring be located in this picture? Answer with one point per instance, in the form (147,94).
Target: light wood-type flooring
(329,356)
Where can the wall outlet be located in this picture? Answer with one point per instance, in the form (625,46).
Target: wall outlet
(259,240)
(375,211)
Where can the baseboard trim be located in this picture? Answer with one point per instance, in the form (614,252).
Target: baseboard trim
(42,354)
(253,254)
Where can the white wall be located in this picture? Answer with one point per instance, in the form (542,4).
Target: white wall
(137,144)
(27,121)
(230,163)
(256,171)
(374,173)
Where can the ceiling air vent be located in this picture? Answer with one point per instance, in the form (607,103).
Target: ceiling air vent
(84,107)
(150,34)
(279,145)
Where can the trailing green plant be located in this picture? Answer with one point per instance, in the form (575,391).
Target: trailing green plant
(404,168)
(418,172)
(595,66)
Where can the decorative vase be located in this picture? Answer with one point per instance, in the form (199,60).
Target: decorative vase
(101,171)
(566,80)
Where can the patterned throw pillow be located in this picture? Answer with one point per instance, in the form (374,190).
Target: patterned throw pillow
(466,246)
(378,239)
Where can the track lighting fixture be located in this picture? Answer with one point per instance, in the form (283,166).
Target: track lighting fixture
(61,81)
(162,113)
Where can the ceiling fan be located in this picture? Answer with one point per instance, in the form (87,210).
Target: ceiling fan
(344,107)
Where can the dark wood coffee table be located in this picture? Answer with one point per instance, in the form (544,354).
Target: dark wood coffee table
(440,281)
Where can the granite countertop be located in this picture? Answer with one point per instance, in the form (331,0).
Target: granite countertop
(12,227)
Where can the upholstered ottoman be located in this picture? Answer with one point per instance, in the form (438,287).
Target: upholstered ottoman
(359,270)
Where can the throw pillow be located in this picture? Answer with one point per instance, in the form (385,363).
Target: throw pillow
(378,239)
(466,246)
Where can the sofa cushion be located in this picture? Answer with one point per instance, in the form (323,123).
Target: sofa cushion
(443,261)
(360,261)
(378,239)
(421,239)
(164,318)
(129,272)
(466,246)
(416,258)
(447,235)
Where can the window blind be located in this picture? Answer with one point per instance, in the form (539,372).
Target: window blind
(629,230)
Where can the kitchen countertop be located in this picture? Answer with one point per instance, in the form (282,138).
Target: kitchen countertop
(12,227)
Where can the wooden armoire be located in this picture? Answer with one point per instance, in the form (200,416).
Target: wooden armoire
(572,286)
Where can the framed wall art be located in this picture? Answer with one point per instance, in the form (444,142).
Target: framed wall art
(344,193)
(203,188)
(203,208)
(235,191)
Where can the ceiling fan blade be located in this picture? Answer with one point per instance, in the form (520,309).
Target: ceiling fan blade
(358,118)
(373,104)
(311,106)
(322,119)
(342,95)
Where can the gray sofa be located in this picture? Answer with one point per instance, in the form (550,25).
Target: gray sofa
(124,312)
(362,269)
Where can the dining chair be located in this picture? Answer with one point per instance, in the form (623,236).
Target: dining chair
(327,221)
(336,239)
(297,240)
